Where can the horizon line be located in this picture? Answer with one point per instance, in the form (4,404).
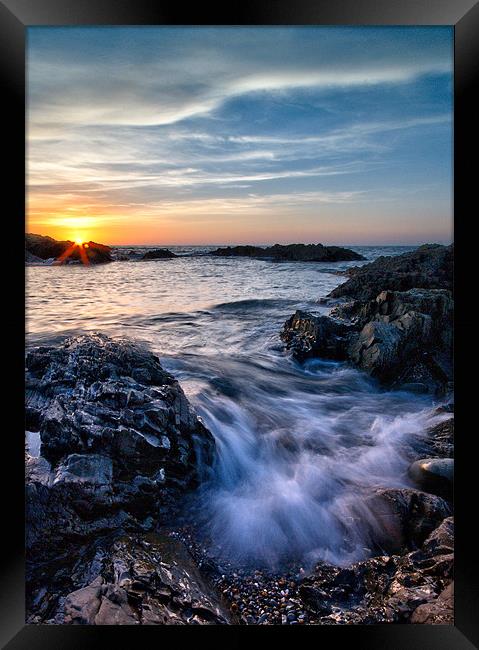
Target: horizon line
(422,243)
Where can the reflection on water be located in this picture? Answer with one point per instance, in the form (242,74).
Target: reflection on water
(298,446)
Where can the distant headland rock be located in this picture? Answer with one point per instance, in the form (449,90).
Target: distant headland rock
(292,253)
(159,254)
(39,248)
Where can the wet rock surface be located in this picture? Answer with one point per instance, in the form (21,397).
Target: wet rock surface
(404,517)
(428,267)
(439,442)
(120,445)
(402,338)
(387,589)
(308,336)
(147,579)
(435,475)
(291,252)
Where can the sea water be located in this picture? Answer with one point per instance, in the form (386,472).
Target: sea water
(299,446)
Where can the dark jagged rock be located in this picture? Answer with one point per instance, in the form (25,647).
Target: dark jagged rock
(44,247)
(441,540)
(109,415)
(30,258)
(159,254)
(439,442)
(95,253)
(307,335)
(120,444)
(404,517)
(137,579)
(415,587)
(391,306)
(439,611)
(428,267)
(404,339)
(407,339)
(291,252)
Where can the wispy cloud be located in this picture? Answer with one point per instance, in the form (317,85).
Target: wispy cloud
(144,123)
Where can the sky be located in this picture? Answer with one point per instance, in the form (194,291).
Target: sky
(199,135)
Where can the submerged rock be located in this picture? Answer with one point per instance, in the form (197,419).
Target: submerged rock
(159,254)
(291,252)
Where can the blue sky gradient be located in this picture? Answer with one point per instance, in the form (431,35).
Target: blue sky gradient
(241,135)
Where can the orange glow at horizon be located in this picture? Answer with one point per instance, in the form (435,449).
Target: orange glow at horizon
(246,220)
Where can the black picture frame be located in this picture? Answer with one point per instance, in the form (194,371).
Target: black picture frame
(15,17)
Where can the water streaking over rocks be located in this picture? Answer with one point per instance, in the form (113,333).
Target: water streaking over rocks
(299,449)
(309,455)
(299,446)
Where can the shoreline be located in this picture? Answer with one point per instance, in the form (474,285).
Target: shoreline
(257,597)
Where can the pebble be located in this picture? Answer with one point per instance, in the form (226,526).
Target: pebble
(254,596)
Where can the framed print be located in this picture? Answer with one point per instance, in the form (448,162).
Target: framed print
(241,325)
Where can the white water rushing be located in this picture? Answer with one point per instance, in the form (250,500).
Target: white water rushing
(300,447)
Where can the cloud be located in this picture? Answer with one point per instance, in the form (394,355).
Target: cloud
(180,75)
(149,122)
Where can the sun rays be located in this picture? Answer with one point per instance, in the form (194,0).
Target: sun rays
(81,250)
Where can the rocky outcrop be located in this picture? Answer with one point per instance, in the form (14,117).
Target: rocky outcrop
(142,579)
(113,424)
(291,252)
(404,517)
(64,252)
(402,338)
(30,258)
(159,254)
(439,611)
(439,442)
(44,247)
(428,267)
(412,588)
(397,326)
(407,338)
(308,336)
(120,445)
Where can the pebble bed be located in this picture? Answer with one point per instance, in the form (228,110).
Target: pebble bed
(253,596)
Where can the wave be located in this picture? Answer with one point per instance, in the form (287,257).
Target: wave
(298,451)
(253,304)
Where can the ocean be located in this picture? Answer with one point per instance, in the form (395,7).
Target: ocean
(300,446)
